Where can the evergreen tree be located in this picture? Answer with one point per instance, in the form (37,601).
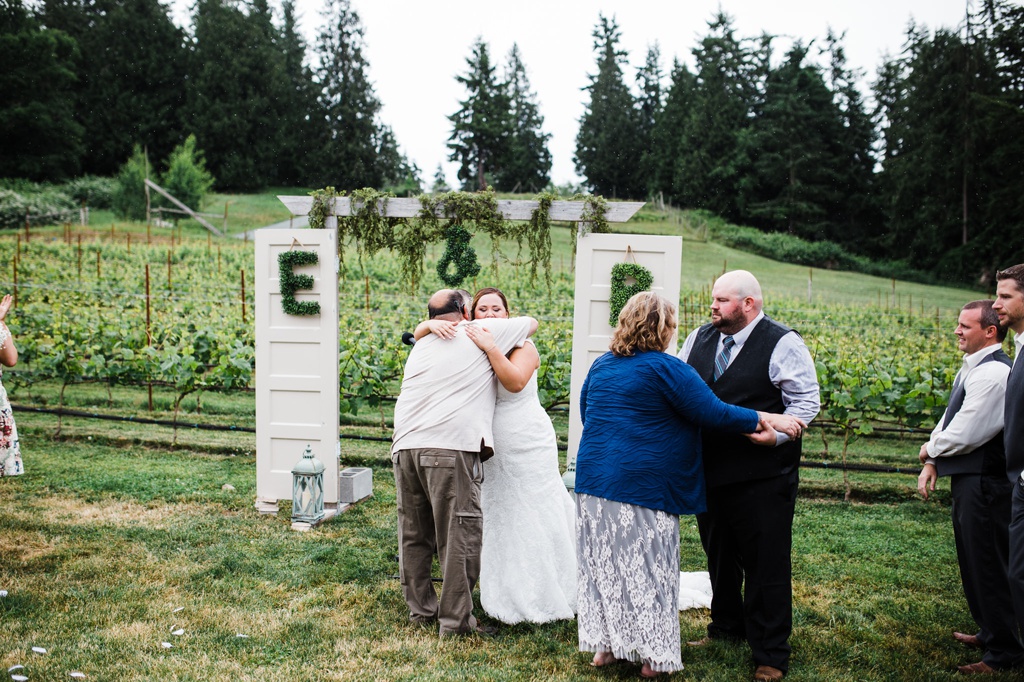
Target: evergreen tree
(793,182)
(482,127)
(649,107)
(729,89)
(857,219)
(186,177)
(607,150)
(350,133)
(129,197)
(131,76)
(238,92)
(39,137)
(668,137)
(526,165)
(934,179)
(298,136)
(440,183)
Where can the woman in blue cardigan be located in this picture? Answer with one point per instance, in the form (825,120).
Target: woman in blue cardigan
(638,469)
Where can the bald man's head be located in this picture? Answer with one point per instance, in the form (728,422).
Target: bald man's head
(447,304)
(735,301)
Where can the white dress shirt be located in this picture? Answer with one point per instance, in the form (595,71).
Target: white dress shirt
(981,416)
(790,369)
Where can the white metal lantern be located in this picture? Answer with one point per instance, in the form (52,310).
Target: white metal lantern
(308,489)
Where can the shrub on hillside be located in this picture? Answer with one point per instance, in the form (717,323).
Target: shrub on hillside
(827,255)
(186,177)
(93,191)
(46,206)
(129,196)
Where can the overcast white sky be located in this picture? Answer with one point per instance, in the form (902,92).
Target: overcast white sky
(416,48)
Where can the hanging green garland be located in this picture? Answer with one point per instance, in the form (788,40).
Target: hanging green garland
(621,292)
(290,282)
(457,251)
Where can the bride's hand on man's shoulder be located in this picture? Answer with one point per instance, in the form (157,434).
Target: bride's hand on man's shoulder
(442,328)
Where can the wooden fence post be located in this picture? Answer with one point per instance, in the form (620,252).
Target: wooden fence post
(242,270)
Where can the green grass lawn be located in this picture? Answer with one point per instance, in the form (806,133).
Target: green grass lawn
(103,541)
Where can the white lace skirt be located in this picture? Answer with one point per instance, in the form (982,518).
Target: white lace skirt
(628,582)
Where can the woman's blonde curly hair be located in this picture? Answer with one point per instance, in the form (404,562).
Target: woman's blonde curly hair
(646,322)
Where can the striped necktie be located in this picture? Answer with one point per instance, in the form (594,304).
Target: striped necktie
(722,361)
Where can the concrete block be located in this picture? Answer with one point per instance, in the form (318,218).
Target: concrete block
(356,483)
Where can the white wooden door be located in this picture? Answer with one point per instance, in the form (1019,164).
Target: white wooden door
(595,256)
(297,387)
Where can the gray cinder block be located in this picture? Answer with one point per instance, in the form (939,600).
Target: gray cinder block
(356,483)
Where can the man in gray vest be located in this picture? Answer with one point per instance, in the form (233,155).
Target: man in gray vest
(750,360)
(1009,306)
(967,446)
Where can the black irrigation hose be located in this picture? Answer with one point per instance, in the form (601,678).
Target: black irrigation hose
(877,468)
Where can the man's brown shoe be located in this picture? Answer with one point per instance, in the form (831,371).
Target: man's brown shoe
(969,640)
(766,673)
(979,668)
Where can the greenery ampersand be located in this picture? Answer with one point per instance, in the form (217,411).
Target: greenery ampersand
(622,292)
(290,282)
(458,251)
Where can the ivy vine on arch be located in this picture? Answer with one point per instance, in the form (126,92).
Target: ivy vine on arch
(473,212)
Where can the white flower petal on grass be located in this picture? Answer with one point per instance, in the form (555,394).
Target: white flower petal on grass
(166,645)
(39,650)
(242,636)
(15,667)
(3,593)
(178,633)
(18,678)
(76,674)
(180,608)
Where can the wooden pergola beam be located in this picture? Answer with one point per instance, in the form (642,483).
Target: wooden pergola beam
(511,209)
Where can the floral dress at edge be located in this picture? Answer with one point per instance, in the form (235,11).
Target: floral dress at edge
(10,449)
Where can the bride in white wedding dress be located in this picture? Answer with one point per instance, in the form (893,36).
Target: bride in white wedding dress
(528,557)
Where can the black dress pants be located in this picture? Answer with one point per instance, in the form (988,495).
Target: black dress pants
(981,520)
(747,535)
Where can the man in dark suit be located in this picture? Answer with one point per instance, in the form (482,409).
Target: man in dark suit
(748,359)
(1009,306)
(967,446)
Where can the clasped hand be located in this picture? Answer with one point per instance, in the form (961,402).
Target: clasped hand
(770,425)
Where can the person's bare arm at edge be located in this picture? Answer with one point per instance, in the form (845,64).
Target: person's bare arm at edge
(441,328)
(513,372)
(446,329)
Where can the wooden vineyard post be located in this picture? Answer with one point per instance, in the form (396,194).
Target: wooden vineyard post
(218,259)
(149,336)
(169,287)
(367,294)
(128,236)
(14,265)
(99,275)
(242,270)
(111,233)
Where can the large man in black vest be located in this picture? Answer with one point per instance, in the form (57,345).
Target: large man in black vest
(967,446)
(749,359)
(1009,306)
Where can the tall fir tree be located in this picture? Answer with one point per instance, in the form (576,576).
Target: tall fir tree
(668,138)
(607,150)
(730,75)
(526,166)
(297,166)
(131,77)
(482,127)
(237,94)
(39,136)
(933,178)
(793,180)
(349,129)
(649,108)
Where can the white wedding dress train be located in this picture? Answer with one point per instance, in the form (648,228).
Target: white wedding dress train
(528,558)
